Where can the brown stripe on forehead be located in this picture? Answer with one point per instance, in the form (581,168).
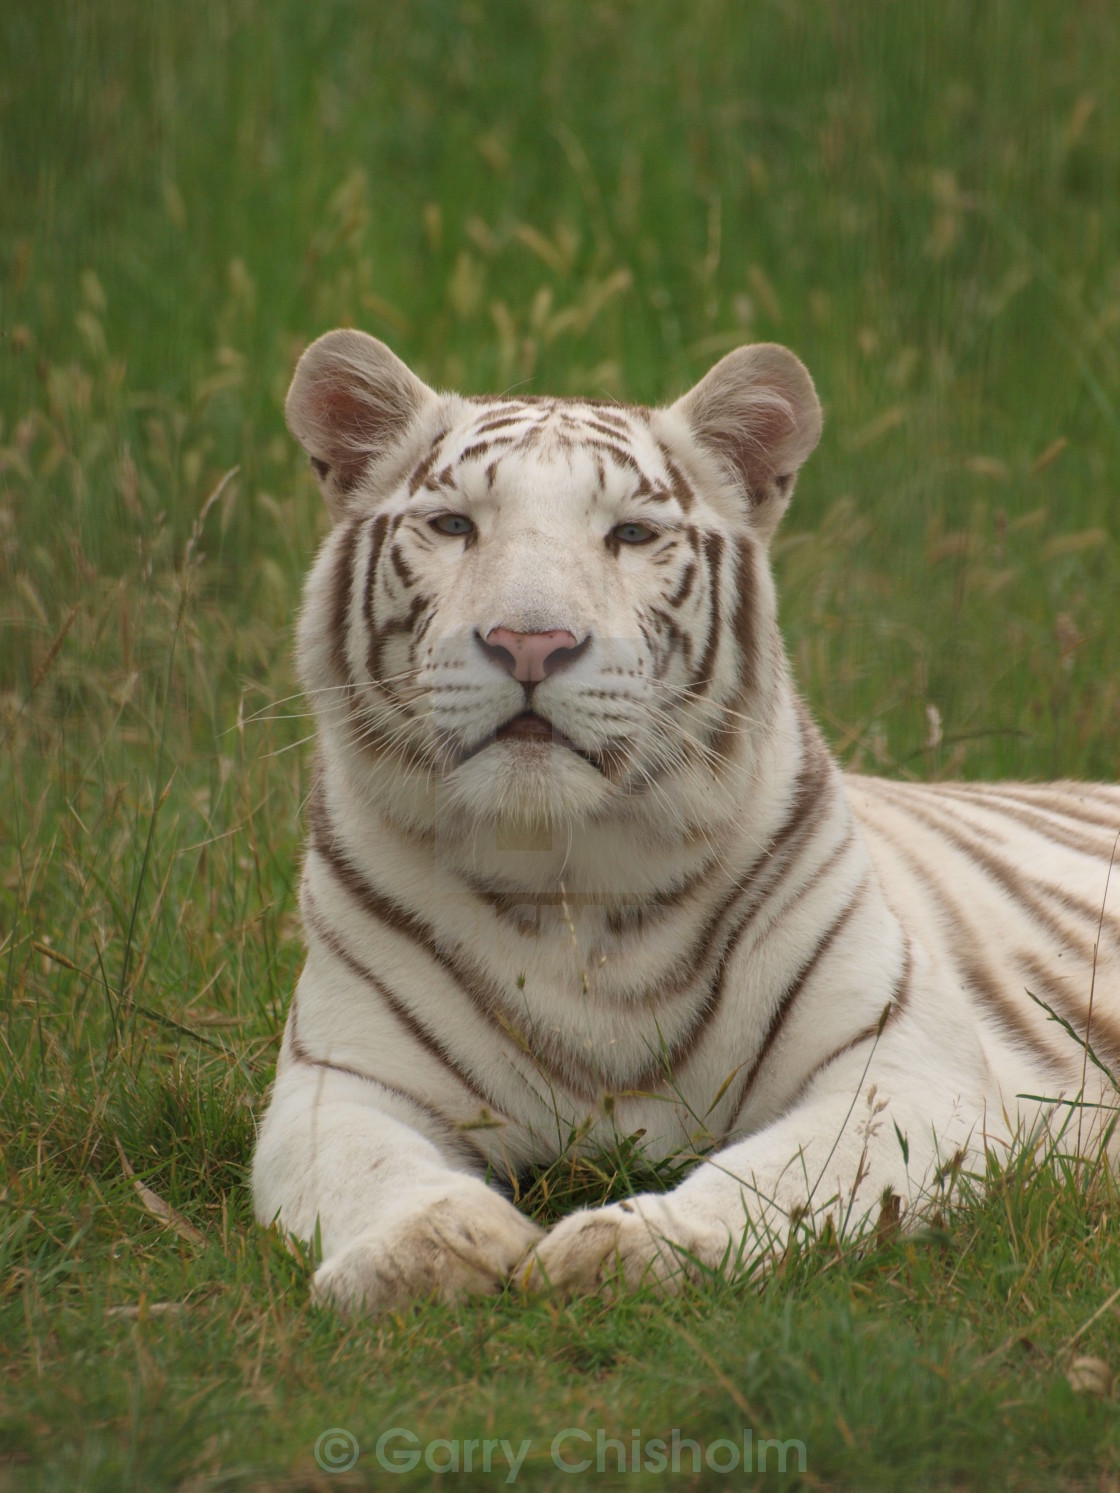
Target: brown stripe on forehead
(612,412)
(531,436)
(510,401)
(425,465)
(679,484)
(596,422)
(478,449)
(618,454)
(605,409)
(499,422)
(342,589)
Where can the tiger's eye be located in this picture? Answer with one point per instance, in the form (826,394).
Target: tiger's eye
(455,524)
(633,533)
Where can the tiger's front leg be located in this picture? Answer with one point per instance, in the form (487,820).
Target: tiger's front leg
(397,1220)
(835,1154)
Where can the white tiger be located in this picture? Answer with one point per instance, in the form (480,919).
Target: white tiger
(581,867)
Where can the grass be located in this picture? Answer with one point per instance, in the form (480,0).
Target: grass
(925,203)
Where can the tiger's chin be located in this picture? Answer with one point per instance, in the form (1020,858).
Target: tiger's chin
(527,784)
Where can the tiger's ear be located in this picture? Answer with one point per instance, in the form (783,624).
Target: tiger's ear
(758,413)
(350,403)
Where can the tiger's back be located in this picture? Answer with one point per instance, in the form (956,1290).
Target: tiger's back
(1014,889)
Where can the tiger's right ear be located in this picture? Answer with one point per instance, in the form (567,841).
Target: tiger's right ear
(350,403)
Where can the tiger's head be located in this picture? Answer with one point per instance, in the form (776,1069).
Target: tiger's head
(546,609)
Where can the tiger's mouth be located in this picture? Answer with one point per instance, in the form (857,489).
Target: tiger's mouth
(528,726)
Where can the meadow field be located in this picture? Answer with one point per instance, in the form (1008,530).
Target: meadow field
(602,198)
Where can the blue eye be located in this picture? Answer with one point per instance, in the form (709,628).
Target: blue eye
(633,533)
(455,524)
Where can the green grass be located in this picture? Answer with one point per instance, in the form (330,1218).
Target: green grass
(925,203)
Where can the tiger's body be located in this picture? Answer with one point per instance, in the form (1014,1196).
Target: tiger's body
(581,867)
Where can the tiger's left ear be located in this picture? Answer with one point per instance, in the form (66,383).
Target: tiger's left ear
(758,413)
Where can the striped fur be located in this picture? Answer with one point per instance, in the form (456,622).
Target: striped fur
(673,916)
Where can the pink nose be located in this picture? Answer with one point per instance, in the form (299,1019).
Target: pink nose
(527,654)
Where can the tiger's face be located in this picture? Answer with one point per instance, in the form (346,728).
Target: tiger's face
(545,609)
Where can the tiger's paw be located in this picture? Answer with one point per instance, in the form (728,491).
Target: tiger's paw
(465,1244)
(624,1245)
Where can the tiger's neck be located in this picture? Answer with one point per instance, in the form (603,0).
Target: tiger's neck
(698,825)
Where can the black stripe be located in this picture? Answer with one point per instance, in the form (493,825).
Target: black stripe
(447,1129)
(744,627)
(378,531)
(1008,808)
(400,565)
(420,474)
(617,454)
(416,1029)
(684,588)
(679,484)
(686,1045)
(500,422)
(900,999)
(1096,1027)
(967,944)
(342,589)
(553,1058)
(713,550)
(1029,896)
(789,997)
(755,882)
